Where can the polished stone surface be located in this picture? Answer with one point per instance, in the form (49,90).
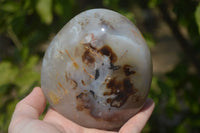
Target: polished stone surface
(97,70)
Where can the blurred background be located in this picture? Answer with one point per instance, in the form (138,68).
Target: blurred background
(171,29)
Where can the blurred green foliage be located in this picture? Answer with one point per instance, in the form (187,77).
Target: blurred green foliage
(197,16)
(25,26)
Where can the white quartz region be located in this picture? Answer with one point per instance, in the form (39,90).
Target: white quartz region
(97,70)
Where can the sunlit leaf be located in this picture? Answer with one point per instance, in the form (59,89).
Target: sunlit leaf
(8,73)
(11,7)
(27,75)
(114,4)
(197,16)
(33,60)
(128,14)
(153,3)
(65,9)
(44,9)
(149,39)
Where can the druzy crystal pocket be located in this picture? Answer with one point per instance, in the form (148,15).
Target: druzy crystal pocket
(97,70)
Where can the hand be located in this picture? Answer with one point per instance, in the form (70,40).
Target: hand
(25,118)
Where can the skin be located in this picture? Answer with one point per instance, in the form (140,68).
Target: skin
(25,118)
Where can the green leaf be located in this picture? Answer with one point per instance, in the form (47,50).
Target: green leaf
(128,14)
(153,3)
(58,9)
(33,60)
(197,16)
(65,9)
(27,4)
(8,73)
(181,129)
(114,4)
(149,39)
(11,7)
(24,53)
(28,75)
(44,9)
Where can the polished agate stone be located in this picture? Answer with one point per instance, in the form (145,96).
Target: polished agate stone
(97,70)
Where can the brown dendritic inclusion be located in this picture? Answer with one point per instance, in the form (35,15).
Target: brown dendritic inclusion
(121,88)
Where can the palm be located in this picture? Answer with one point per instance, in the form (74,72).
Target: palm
(37,126)
(25,118)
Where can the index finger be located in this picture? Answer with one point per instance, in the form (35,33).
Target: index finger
(31,106)
(137,122)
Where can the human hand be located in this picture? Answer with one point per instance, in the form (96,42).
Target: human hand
(25,118)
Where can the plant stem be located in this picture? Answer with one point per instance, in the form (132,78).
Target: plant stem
(14,38)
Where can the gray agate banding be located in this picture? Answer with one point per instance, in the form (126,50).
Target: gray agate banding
(97,70)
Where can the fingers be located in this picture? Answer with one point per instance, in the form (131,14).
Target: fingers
(91,130)
(27,109)
(55,118)
(137,122)
(31,106)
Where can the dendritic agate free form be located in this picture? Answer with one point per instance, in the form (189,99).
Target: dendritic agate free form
(97,70)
